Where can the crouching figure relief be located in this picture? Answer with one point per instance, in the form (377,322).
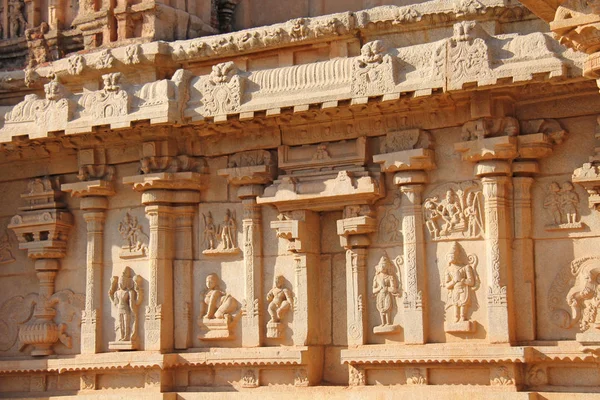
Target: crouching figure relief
(220,312)
(386,288)
(126,294)
(280,302)
(461,281)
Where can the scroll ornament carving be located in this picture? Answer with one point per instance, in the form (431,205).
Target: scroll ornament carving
(537,375)
(280,300)
(109,102)
(416,376)
(6,254)
(468,57)
(461,280)
(562,206)
(126,294)
(220,312)
(220,239)
(134,239)
(459,215)
(373,71)
(386,287)
(222,90)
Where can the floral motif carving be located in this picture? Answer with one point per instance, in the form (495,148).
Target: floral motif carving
(459,215)
(126,294)
(222,238)
(461,280)
(373,71)
(134,239)
(280,300)
(386,288)
(468,57)
(562,206)
(501,376)
(222,90)
(416,376)
(220,312)
(357,376)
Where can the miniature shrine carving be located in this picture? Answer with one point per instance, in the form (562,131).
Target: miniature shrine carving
(458,215)
(461,280)
(220,312)
(134,239)
(280,300)
(220,239)
(562,205)
(386,288)
(126,294)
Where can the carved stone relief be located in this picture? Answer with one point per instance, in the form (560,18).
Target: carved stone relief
(126,294)
(220,312)
(389,228)
(373,71)
(250,377)
(416,376)
(562,206)
(6,248)
(280,300)
(460,280)
(134,239)
(458,215)
(386,288)
(222,90)
(111,101)
(220,239)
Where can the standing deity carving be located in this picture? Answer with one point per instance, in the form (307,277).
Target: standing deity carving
(220,239)
(219,311)
(16,18)
(459,215)
(133,238)
(280,301)
(386,287)
(126,294)
(461,280)
(6,255)
(562,205)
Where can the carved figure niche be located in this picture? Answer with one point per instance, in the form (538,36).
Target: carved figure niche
(220,312)
(126,295)
(280,300)
(386,288)
(455,211)
(220,239)
(562,206)
(461,280)
(134,239)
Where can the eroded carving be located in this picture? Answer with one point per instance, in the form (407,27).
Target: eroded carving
(134,239)
(280,300)
(416,376)
(490,127)
(461,280)
(386,288)
(126,294)
(562,205)
(220,312)
(459,215)
(373,70)
(6,249)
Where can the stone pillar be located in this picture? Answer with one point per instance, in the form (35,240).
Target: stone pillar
(353,230)
(252,320)
(523,260)
(411,186)
(302,230)
(182,276)
(495,180)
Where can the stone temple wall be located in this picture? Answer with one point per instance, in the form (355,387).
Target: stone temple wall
(395,202)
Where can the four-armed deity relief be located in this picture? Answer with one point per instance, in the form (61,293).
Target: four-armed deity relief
(220,312)
(134,239)
(386,288)
(126,294)
(461,280)
(455,211)
(220,238)
(280,300)
(562,205)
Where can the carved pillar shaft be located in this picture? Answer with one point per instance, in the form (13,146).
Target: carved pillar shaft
(498,255)
(182,279)
(414,264)
(356,292)
(159,312)
(252,320)
(91,332)
(523,260)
